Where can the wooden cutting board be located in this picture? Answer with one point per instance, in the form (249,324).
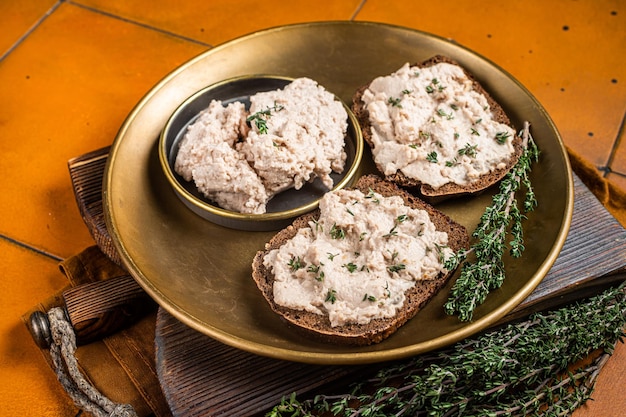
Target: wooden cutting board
(202,377)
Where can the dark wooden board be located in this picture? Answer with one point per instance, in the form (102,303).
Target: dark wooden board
(202,377)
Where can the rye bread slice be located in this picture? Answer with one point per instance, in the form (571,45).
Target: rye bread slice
(318,326)
(448,190)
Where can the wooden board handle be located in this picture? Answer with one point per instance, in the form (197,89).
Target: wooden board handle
(97,309)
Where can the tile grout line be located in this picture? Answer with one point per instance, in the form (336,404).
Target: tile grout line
(358,9)
(134,22)
(620,133)
(31,248)
(31,29)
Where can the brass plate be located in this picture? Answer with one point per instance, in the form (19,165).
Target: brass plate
(200,272)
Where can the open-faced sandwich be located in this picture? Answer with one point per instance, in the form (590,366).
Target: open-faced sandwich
(361,265)
(433,128)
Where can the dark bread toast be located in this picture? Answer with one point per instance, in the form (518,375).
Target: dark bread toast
(450,189)
(377,330)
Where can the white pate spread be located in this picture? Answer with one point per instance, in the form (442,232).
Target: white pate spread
(431,125)
(356,262)
(241,158)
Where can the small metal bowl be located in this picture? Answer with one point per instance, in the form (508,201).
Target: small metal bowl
(283,207)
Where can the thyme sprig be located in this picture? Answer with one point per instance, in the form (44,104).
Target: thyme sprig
(486,271)
(525,368)
(260,118)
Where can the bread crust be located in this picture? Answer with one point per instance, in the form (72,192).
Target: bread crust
(434,195)
(318,326)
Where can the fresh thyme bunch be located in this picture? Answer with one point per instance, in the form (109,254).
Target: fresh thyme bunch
(520,369)
(486,272)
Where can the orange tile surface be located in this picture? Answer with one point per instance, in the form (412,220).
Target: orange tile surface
(71,71)
(215,22)
(18,18)
(28,386)
(66,90)
(565,52)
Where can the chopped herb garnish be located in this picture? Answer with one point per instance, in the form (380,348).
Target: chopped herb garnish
(501,137)
(475,132)
(442,113)
(351,267)
(331,256)
(367,297)
(260,118)
(331,296)
(313,268)
(392,232)
(396,268)
(316,269)
(318,226)
(440,252)
(432,157)
(372,196)
(452,163)
(434,86)
(337,232)
(469,150)
(295,263)
(395,102)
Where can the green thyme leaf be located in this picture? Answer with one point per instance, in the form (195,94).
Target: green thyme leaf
(331,296)
(501,137)
(260,118)
(469,150)
(295,263)
(337,232)
(395,102)
(351,267)
(396,268)
(372,196)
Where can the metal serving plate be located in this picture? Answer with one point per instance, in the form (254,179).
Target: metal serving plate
(200,272)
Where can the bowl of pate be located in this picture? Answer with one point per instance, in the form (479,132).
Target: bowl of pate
(254,152)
